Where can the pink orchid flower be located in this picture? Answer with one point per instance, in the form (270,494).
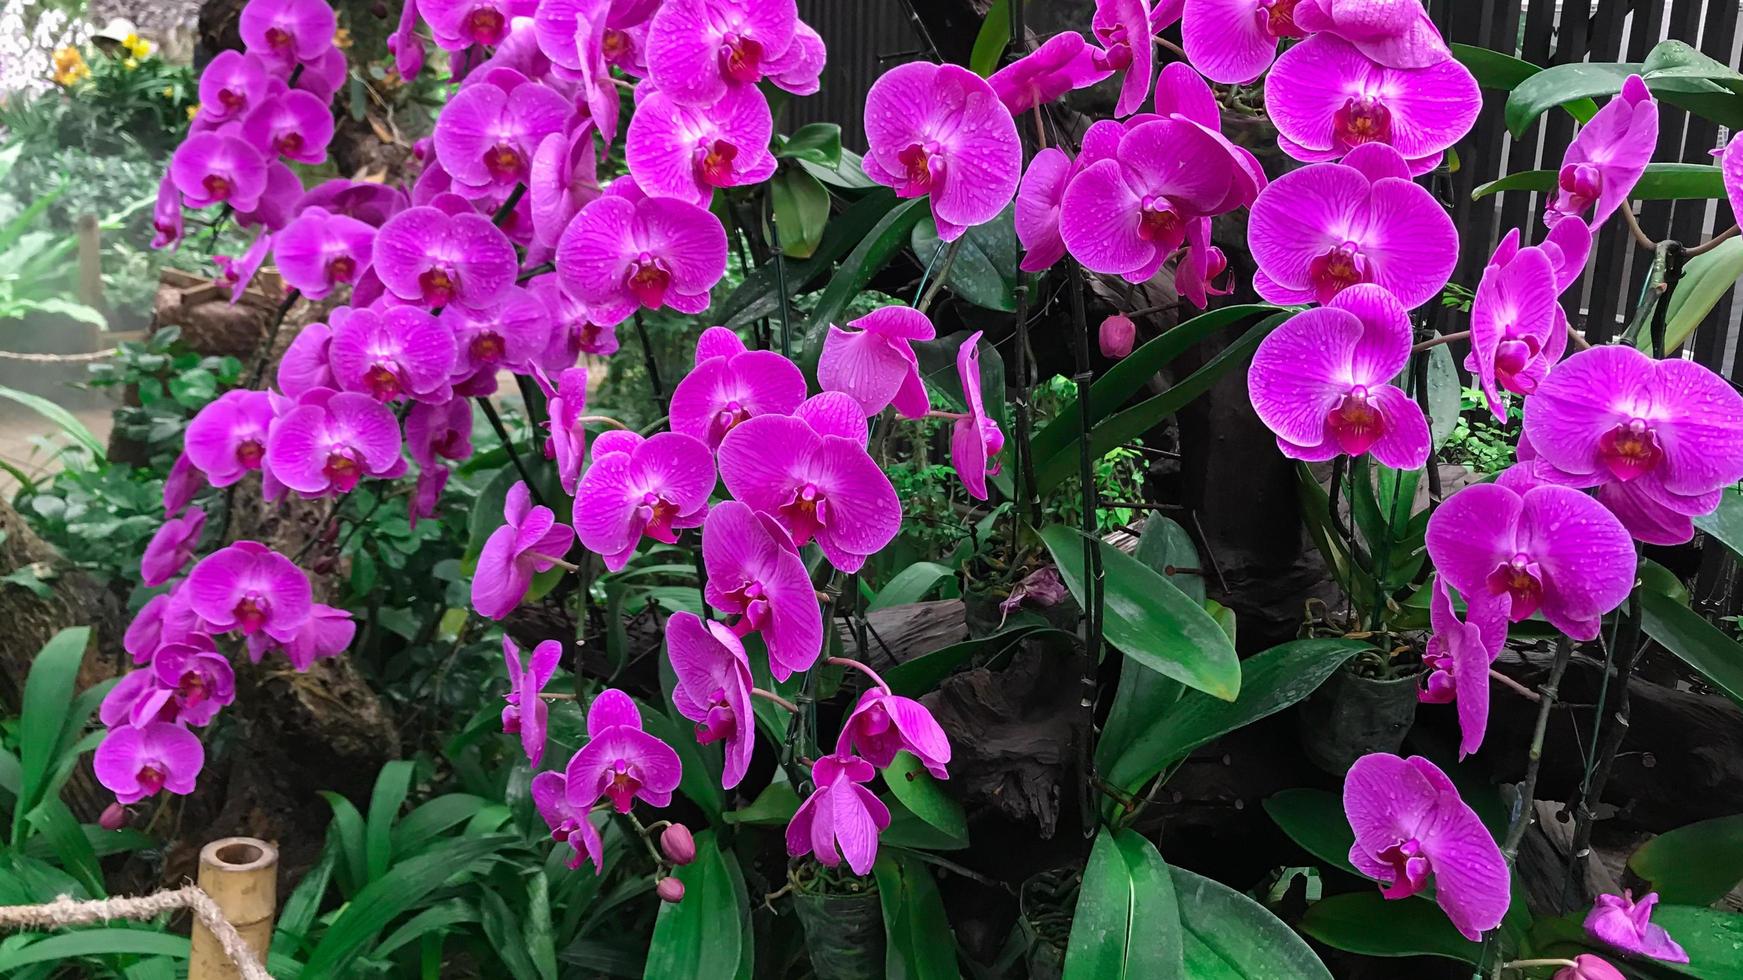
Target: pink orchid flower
(681,151)
(1589,967)
(727,389)
(841,818)
(530,541)
(285,32)
(564,177)
(198,682)
(134,763)
(619,256)
(327,632)
(654,490)
(568,445)
(180,486)
(1200,266)
(392,354)
(620,762)
(231,84)
(172,547)
(249,587)
(318,251)
(883,724)
(295,125)
(439,430)
(873,360)
(430,258)
(799,69)
(525,712)
(1233,41)
(1619,921)
(713,688)
(333,440)
(573,331)
(1608,156)
(1518,328)
(755,572)
(486,137)
(1036,215)
(507,335)
(835,413)
(1122,28)
(1458,659)
(227,439)
(217,168)
(700,49)
(1394,33)
(405,44)
(975,440)
(459,24)
(569,824)
(166,215)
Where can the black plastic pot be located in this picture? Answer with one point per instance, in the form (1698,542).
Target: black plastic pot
(843,933)
(1353,714)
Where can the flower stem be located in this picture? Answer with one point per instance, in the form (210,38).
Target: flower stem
(862,668)
(553,559)
(1513,685)
(1442,339)
(1711,243)
(648,359)
(604,420)
(776,698)
(938,279)
(508,445)
(1625,653)
(780,260)
(1641,238)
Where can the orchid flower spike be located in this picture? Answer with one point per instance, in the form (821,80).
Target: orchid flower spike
(713,690)
(755,572)
(525,713)
(1606,159)
(883,724)
(530,541)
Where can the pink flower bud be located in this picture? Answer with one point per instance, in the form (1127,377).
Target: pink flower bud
(678,846)
(114,817)
(670,890)
(1117,333)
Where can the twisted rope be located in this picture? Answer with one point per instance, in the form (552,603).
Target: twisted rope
(96,355)
(66,911)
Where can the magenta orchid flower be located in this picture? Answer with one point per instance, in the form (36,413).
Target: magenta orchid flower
(573,331)
(835,413)
(1588,967)
(134,763)
(626,49)
(1411,824)
(405,44)
(1458,659)
(1195,277)
(799,69)
(250,587)
(620,762)
(700,49)
(510,334)
(184,480)
(1394,33)
(295,125)
(564,177)
(1122,28)
(841,818)
(525,711)
(333,440)
(1329,226)
(486,137)
(725,390)
(432,480)
(975,439)
(172,547)
(883,724)
(1323,382)
(618,256)
(327,632)
(167,617)
(569,824)
(428,257)
(941,131)
(285,32)
(227,439)
(1620,921)
(136,700)
(1036,215)
(1608,156)
(713,688)
(235,274)
(433,430)
(529,542)
(217,168)
(1328,98)
(231,84)
(755,572)
(1233,41)
(368,202)
(654,490)
(166,215)
(398,352)
(566,402)
(460,24)
(1550,548)
(819,487)
(873,360)
(681,151)
(199,682)
(1730,170)
(1518,329)
(318,251)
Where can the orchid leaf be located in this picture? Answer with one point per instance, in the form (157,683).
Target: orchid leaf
(1697,864)
(1365,922)
(1228,936)
(1725,524)
(701,937)
(1127,922)
(921,945)
(919,791)
(1698,643)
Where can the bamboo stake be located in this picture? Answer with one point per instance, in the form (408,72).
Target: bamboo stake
(241,876)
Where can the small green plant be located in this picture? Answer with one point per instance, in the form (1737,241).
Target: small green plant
(1478,441)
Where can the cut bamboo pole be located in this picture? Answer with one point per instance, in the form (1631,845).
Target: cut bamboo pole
(241,875)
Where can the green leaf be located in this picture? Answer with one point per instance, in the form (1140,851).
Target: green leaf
(921,944)
(1148,619)
(773,807)
(1660,182)
(1314,819)
(499,921)
(1693,865)
(848,175)
(56,823)
(802,209)
(992,40)
(1443,394)
(1271,681)
(291,933)
(430,819)
(93,942)
(68,422)
(391,786)
(868,258)
(1673,71)
(434,919)
(1697,642)
(759,296)
(1231,937)
(48,698)
(1364,922)
(1726,523)
(1710,937)
(1127,922)
(1563,85)
(983,270)
(1705,280)
(919,791)
(1142,698)
(347,830)
(912,584)
(1168,549)
(915,677)
(1491,68)
(819,143)
(700,937)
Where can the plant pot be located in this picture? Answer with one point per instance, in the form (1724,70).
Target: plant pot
(844,933)
(1353,714)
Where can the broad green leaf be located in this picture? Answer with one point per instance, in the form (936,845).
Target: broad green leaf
(1314,819)
(758,296)
(1149,620)
(11,778)
(1673,71)
(430,819)
(68,422)
(1693,865)
(983,270)
(347,830)
(801,206)
(873,252)
(848,175)
(919,791)
(93,942)
(290,935)
(993,39)
(391,785)
(48,699)
(819,143)
(436,918)
(1697,642)
(56,823)
(1168,549)
(1712,939)
(1660,182)
(702,763)
(1228,936)
(1271,681)
(701,936)
(1365,922)
(921,945)
(1726,523)
(912,584)
(915,677)
(1141,698)
(1443,394)
(499,921)
(908,830)
(1127,922)
(773,807)
(1705,280)
(1492,69)
(1678,59)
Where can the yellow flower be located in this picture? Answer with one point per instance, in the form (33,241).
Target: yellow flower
(169,91)
(130,63)
(137,46)
(69,66)
(193,111)
(342,38)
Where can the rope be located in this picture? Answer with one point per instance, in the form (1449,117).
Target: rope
(96,355)
(66,911)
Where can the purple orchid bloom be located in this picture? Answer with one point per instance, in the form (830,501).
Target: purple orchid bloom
(433,430)
(285,32)
(198,682)
(326,633)
(1394,33)
(486,137)
(1196,274)
(841,818)
(1619,921)
(1550,548)
(368,202)
(134,763)
(1731,172)
(166,617)
(835,413)
(305,365)
(755,572)
(231,84)
(236,274)
(873,360)
(166,215)
(1588,967)
(431,258)
(822,487)
(1329,226)
(725,390)
(1037,210)
(136,700)
(654,490)
(1410,823)
(626,49)
(883,724)
(569,824)
(1458,659)
(1608,156)
(566,403)
(396,353)
(217,168)
(563,179)
(620,762)
(333,440)
(530,541)
(700,49)
(681,151)
(510,335)
(1061,64)
(250,587)
(1122,28)
(1322,382)
(975,440)
(184,480)
(319,251)
(573,331)
(941,131)
(227,439)
(1328,98)
(1233,41)
(713,688)
(432,480)
(295,125)
(618,256)
(1518,329)
(799,69)
(460,24)
(172,547)
(405,44)
(525,712)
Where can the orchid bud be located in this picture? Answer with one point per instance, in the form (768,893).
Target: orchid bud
(1117,333)
(677,844)
(114,817)
(670,890)
(1588,967)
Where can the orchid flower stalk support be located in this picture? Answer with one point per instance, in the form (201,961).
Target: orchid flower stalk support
(780,259)
(1024,475)
(508,446)
(648,359)
(938,279)
(1625,653)
(1092,586)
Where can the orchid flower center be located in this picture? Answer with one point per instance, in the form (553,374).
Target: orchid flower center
(451,444)
(217,187)
(341,469)
(505,163)
(993,438)
(1410,868)
(251,612)
(714,162)
(872,722)
(1512,357)
(341,268)
(1357,422)
(1630,450)
(438,286)
(657,514)
(151,776)
(587,335)
(511,715)
(741,59)
(485,25)
(720,722)
(806,514)
(1117,50)
(616,45)
(279,39)
(922,168)
(1337,269)
(191,689)
(648,280)
(622,785)
(1159,222)
(1277,18)
(288,143)
(488,348)
(724,420)
(232,99)
(1521,579)
(1363,119)
(249,452)
(382,381)
(1580,184)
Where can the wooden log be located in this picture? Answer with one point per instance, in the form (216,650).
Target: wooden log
(241,875)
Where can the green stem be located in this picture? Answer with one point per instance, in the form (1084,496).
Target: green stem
(780,259)
(508,445)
